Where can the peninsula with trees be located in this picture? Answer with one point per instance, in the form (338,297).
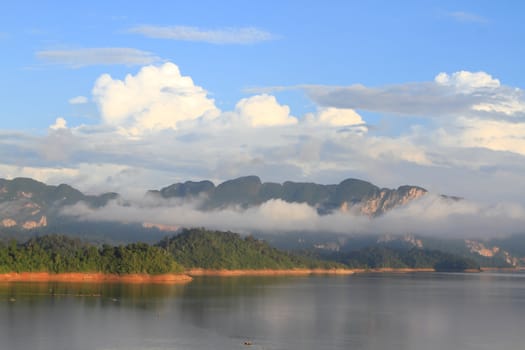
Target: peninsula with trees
(196,252)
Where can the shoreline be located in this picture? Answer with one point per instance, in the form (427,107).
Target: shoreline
(94,277)
(189,274)
(198,272)
(510,269)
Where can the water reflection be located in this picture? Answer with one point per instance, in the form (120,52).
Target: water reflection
(419,311)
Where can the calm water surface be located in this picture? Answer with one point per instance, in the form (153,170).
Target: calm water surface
(382,311)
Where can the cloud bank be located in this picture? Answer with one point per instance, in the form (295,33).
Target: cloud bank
(459,94)
(429,215)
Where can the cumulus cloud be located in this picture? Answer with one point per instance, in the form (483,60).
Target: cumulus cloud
(495,135)
(347,120)
(59,144)
(264,110)
(76,58)
(245,35)
(156,98)
(467,82)
(179,134)
(60,123)
(78,100)
(339,116)
(468,109)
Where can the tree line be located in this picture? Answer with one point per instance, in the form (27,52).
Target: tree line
(57,254)
(201,248)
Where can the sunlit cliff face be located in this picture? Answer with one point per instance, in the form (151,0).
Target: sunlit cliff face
(384,201)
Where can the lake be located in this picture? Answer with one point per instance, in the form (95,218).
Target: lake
(368,311)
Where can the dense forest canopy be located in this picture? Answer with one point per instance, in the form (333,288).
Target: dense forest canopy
(58,254)
(228,250)
(200,248)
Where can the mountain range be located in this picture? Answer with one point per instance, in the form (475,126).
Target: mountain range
(28,206)
(249,191)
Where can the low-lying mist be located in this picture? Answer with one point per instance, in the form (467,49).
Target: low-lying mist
(428,215)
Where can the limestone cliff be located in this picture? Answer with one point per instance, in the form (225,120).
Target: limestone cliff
(27,204)
(488,251)
(348,195)
(389,199)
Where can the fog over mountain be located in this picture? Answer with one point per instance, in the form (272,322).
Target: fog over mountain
(431,215)
(246,205)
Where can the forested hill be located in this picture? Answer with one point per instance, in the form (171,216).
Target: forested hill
(57,254)
(192,248)
(381,257)
(227,250)
(199,248)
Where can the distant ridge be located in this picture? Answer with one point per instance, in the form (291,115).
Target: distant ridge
(29,207)
(249,191)
(28,204)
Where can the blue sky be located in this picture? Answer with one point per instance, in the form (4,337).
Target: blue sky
(112,95)
(331,43)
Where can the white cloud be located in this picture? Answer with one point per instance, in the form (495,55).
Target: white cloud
(76,58)
(78,100)
(429,215)
(467,82)
(156,98)
(346,119)
(245,35)
(264,110)
(470,109)
(462,93)
(339,116)
(45,174)
(497,135)
(60,123)
(181,135)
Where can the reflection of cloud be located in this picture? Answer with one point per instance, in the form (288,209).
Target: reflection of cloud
(76,58)
(246,35)
(429,215)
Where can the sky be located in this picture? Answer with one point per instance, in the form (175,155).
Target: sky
(127,96)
